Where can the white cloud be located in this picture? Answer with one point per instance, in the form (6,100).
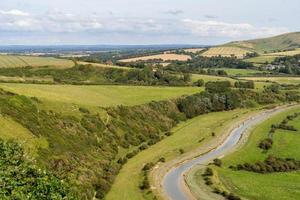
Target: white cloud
(14,12)
(230,30)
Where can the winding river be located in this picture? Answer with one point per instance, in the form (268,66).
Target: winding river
(172,182)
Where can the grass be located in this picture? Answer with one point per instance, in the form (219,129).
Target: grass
(285,53)
(262,59)
(280,80)
(280,42)
(241,72)
(11,130)
(98,96)
(164,57)
(12,61)
(226,52)
(265,186)
(103,65)
(207,78)
(186,136)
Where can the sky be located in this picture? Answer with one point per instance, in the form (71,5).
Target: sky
(202,22)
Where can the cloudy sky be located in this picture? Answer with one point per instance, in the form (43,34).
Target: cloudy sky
(41,22)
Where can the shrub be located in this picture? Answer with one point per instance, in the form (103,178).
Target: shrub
(217,162)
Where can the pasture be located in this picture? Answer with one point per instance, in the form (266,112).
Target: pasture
(12,61)
(280,80)
(207,78)
(185,136)
(261,59)
(164,57)
(98,96)
(225,52)
(272,186)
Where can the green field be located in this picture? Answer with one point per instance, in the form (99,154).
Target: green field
(186,136)
(96,96)
(207,78)
(241,72)
(280,80)
(11,61)
(11,130)
(273,186)
(261,59)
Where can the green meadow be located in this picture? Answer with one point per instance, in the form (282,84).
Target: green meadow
(272,186)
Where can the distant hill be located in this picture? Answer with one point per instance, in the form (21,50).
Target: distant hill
(278,43)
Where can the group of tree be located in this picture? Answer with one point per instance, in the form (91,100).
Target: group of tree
(288,64)
(198,63)
(270,165)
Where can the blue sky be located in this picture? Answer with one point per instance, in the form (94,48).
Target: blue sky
(39,22)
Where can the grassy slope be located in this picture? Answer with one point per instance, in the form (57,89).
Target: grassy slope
(11,130)
(207,78)
(99,95)
(280,42)
(7,61)
(268,186)
(186,136)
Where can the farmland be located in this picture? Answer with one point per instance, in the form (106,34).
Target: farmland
(164,57)
(265,186)
(12,61)
(194,50)
(225,52)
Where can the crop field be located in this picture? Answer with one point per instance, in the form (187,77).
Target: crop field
(164,57)
(225,52)
(10,61)
(103,65)
(194,50)
(284,53)
(270,186)
(95,96)
(185,136)
(280,80)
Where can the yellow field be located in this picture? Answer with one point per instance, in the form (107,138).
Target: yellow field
(12,61)
(195,50)
(164,57)
(225,52)
(102,65)
(285,53)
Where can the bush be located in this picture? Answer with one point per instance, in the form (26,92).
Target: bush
(181,151)
(208,172)
(266,144)
(21,177)
(217,162)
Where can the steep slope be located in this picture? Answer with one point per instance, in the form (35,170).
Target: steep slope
(276,43)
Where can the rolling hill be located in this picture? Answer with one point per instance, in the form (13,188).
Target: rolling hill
(277,43)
